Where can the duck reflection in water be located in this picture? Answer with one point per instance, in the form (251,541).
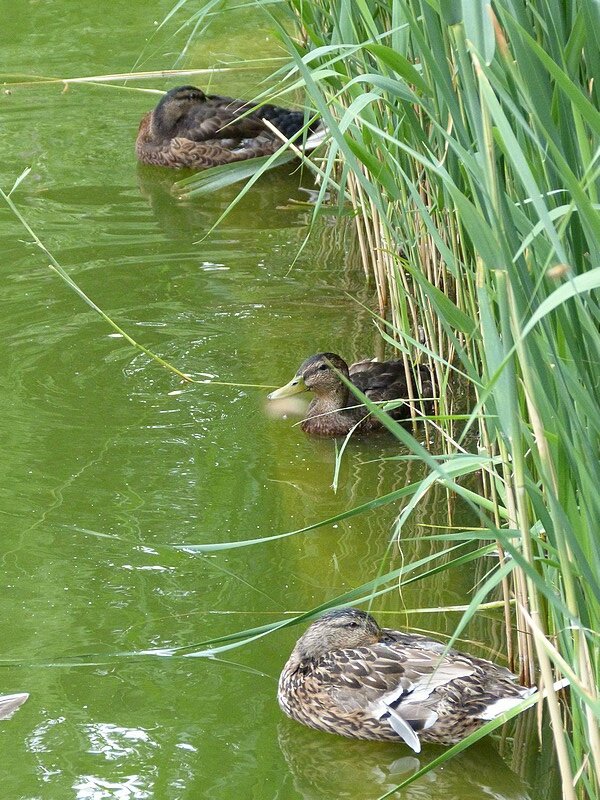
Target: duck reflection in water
(278,204)
(327,768)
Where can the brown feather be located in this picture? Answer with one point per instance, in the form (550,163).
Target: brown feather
(190,129)
(348,676)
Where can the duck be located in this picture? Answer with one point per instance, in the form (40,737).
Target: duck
(189,128)
(349,676)
(334,411)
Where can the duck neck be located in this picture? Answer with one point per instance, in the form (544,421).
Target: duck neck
(332,401)
(302,658)
(326,415)
(164,119)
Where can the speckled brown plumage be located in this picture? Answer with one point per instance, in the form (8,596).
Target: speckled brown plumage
(347,675)
(334,410)
(191,129)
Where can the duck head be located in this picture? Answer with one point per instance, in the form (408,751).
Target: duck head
(172,107)
(318,374)
(338,630)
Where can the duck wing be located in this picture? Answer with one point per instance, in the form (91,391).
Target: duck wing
(491,690)
(226,118)
(389,684)
(385,381)
(379,381)
(213,121)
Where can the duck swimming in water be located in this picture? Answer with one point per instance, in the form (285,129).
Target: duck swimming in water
(347,675)
(191,129)
(334,411)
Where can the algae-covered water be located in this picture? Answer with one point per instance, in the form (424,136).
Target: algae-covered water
(108,461)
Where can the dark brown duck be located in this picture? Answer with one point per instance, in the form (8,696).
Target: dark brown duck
(191,129)
(335,411)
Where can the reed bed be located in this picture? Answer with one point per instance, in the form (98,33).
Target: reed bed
(469,149)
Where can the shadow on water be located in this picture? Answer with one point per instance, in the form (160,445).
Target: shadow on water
(181,218)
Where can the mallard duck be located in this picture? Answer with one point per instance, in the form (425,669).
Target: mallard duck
(191,129)
(334,410)
(347,675)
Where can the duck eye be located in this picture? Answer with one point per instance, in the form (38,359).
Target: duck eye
(353,624)
(323,366)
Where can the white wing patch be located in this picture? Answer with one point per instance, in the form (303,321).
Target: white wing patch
(503,704)
(506,703)
(384,708)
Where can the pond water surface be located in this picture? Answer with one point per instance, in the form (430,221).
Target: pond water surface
(108,461)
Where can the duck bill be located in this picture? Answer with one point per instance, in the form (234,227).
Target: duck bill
(295,386)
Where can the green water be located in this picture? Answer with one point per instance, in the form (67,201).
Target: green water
(107,461)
